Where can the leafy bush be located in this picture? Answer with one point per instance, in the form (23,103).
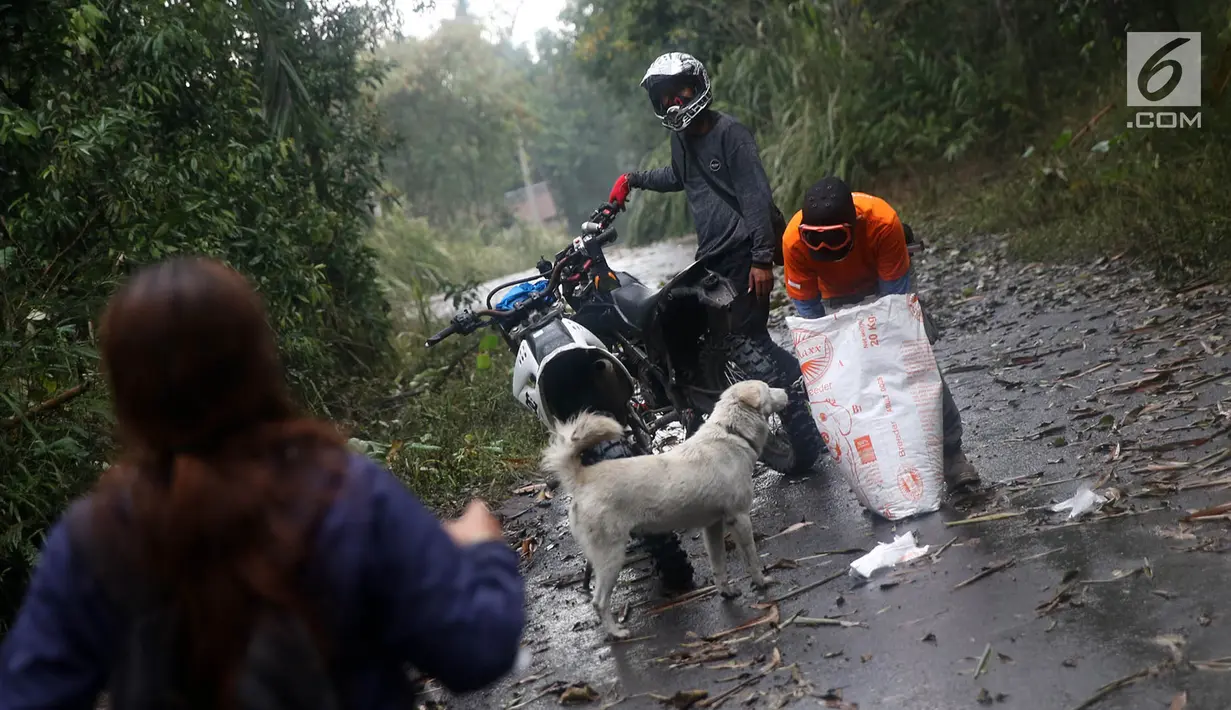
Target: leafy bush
(871,90)
(138,130)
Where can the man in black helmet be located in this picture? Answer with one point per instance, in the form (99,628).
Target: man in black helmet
(715,161)
(844,247)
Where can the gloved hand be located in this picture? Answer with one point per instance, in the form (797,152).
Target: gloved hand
(619,191)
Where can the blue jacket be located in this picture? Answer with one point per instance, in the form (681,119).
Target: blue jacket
(399,591)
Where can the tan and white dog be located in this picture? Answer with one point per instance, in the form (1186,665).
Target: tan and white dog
(704,482)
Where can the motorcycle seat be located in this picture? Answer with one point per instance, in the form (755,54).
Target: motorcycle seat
(636,303)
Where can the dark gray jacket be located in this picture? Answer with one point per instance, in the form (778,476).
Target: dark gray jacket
(729,154)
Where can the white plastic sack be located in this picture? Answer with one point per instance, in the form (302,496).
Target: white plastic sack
(876,396)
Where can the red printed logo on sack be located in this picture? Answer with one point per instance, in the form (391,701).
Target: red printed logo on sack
(910,483)
(835,448)
(916,309)
(815,359)
(863,445)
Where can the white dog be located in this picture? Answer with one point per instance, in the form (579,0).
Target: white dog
(704,482)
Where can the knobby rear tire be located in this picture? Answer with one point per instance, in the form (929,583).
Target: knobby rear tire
(752,364)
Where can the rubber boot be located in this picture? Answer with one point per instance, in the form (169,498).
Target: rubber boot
(805,437)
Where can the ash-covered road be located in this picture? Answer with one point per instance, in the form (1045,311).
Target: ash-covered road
(1067,377)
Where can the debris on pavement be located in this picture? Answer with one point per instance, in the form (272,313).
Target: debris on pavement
(774,662)
(1217,512)
(1083,501)
(888,554)
(987,572)
(833,699)
(1137,381)
(992,517)
(825,621)
(808,587)
(770,617)
(578,693)
(1118,575)
(682,699)
(793,528)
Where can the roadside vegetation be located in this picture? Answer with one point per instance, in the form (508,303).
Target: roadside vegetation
(354,175)
(975,115)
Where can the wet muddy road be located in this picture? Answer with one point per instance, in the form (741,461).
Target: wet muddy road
(1067,377)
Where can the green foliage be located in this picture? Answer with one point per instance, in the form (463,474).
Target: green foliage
(587,134)
(455,103)
(455,432)
(870,89)
(134,131)
(418,261)
(1153,194)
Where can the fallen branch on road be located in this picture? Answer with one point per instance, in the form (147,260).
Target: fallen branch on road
(1216,511)
(986,573)
(774,662)
(808,587)
(770,617)
(825,621)
(991,517)
(1143,569)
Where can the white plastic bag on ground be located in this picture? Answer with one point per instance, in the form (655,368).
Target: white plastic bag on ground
(875,394)
(888,554)
(1083,501)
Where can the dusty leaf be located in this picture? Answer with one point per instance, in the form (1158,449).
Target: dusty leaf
(577,694)
(770,617)
(1174,644)
(684,699)
(833,699)
(1179,702)
(783,563)
(790,529)
(707,653)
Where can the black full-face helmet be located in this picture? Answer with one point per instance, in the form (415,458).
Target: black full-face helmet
(679,89)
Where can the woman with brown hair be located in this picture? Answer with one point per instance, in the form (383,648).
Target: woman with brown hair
(227,509)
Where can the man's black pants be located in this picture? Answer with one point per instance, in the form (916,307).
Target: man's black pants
(750,318)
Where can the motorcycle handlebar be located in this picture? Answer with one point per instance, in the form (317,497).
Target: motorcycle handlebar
(465,323)
(449,330)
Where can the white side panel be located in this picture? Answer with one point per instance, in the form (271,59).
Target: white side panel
(525,382)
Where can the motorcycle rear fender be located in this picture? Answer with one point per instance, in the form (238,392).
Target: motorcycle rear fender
(712,289)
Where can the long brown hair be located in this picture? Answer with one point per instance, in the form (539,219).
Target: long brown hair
(225,479)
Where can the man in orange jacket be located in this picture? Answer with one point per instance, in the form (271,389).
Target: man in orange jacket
(844,247)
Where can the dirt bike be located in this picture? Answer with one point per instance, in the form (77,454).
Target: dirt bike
(561,368)
(676,340)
